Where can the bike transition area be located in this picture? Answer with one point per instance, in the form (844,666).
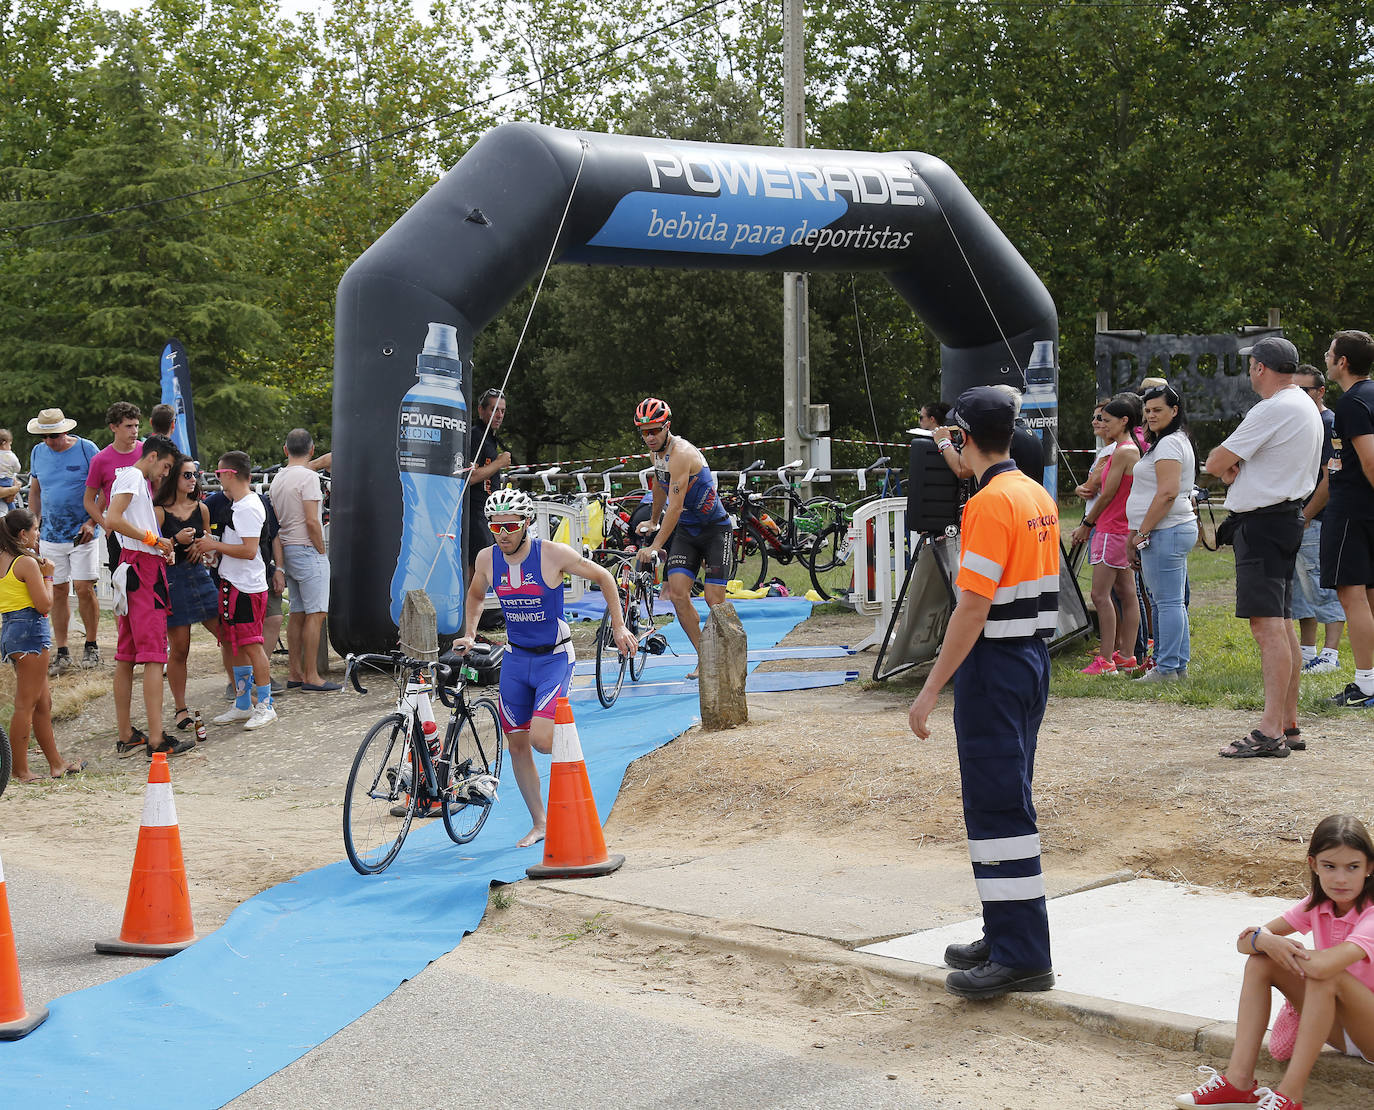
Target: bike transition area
(297,963)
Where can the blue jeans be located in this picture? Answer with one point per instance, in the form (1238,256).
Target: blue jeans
(1164,566)
(1309,599)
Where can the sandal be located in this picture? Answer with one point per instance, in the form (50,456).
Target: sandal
(74,769)
(1292,736)
(1255,745)
(184,718)
(137,739)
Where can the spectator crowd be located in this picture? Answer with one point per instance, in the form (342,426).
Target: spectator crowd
(177,558)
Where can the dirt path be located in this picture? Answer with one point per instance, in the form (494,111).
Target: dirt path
(1119,786)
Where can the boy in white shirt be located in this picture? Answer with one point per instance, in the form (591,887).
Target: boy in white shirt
(142,629)
(242,594)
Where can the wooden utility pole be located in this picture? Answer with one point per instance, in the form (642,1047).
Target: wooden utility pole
(796,344)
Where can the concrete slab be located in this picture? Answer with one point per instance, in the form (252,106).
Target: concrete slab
(800,887)
(1166,945)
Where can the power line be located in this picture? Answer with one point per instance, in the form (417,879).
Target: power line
(386,136)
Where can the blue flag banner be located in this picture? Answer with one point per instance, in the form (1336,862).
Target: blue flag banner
(176,391)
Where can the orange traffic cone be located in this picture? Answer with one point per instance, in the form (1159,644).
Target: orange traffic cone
(157,915)
(16,1020)
(573,845)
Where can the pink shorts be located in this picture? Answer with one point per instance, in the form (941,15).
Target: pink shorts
(1109,548)
(142,632)
(240,616)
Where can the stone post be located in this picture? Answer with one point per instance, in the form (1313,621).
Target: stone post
(721,669)
(419,626)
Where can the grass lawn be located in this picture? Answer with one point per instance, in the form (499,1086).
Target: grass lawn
(1225,667)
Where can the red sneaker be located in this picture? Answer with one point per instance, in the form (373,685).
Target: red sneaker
(1219,1094)
(1099,666)
(1272,1100)
(1124,663)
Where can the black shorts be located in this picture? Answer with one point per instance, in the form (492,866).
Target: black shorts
(1347,551)
(711,547)
(1266,547)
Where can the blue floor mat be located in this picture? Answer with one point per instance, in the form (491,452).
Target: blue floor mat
(297,963)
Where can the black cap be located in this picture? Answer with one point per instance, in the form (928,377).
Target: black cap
(985,412)
(1275,352)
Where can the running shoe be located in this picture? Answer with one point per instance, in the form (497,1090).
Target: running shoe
(61,664)
(1353,697)
(90,658)
(1321,664)
(1124,663)
(1099,666)
(1219,1094)
(262,714)
(232,716)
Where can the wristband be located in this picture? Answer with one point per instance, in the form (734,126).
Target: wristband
(943,444)
(150,537)
(1254,937)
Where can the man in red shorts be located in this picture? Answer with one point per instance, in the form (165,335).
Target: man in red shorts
(242,594)
(142,627)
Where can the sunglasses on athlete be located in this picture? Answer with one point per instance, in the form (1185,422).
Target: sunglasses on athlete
(504,527)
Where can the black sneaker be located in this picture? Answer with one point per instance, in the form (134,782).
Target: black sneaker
(1352,696)
(170,745)
(990,980)
(965,956)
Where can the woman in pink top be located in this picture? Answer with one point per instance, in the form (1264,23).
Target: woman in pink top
(1105,522)
(1329,988)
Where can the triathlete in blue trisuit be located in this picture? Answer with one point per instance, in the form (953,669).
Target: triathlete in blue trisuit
(528,573)
(691,522)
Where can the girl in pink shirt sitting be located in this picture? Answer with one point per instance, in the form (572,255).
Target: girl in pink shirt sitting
(1329,988)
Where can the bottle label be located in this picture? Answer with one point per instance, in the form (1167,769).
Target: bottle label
(431,438)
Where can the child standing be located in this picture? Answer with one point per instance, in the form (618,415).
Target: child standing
(9,473)
(25,598)
(1330,987)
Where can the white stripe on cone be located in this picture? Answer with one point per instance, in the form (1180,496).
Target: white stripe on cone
(567,748)
(2,871)
(159,810)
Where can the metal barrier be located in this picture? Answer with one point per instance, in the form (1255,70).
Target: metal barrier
(545,526)
(882,548)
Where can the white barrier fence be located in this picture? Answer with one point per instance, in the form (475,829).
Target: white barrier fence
(881,546)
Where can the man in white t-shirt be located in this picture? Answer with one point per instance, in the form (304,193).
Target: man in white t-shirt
(296,498)
(242,594)
(142,628)
(1270,462)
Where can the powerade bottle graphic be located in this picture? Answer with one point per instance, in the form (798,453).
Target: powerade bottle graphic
(1040,406)
(431,445)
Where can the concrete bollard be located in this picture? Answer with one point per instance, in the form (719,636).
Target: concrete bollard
(722,668)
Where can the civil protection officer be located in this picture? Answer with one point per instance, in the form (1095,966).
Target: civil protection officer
(995,650)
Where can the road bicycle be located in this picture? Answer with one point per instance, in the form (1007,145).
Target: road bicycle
(402,764)
(636,590)
(829,524)
(761,535)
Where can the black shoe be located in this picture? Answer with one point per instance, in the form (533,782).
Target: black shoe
(990,980)
(1352,695)
(965,956)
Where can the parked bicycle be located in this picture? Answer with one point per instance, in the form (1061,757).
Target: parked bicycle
(402,763)
(760,535)
(637,590)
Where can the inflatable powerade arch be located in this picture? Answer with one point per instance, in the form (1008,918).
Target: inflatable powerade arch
(409,309)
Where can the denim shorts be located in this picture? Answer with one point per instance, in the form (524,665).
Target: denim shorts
(24,632)
(307,578)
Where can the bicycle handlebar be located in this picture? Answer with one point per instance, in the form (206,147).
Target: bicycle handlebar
(394,659)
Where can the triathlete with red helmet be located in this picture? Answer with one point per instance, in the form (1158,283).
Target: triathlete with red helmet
(538,666)
(691,523)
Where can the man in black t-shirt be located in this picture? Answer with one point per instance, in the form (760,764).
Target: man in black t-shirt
(1347,546)
(488,458)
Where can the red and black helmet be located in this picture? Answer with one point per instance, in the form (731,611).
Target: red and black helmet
(652,411)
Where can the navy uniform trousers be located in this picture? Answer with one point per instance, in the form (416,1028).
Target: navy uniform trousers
(999,701)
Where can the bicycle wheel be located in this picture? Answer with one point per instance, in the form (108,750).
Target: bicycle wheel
(610,664)
(640,621)
(820,532)
(748,555)
(5,759)
(474,769)
(832,563)
(379,780)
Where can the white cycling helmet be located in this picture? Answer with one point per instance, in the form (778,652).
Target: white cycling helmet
(507,501)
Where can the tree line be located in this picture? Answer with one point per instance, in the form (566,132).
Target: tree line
(209,168)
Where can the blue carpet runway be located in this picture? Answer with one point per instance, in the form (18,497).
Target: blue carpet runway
(297,963)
